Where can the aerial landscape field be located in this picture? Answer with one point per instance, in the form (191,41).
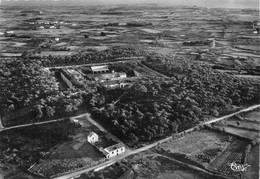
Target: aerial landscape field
(129,92)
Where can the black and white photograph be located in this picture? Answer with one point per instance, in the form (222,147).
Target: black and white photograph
(129,89)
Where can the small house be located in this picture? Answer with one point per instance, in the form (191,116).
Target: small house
(114,150)
(92,137)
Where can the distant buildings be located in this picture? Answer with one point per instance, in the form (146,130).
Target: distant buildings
(256,27)
(9,34)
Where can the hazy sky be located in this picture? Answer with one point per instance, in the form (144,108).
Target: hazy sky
(206,3)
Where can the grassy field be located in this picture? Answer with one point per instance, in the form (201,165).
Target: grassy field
(196,142)
(244,124)
(253,116)
(198,148)
(249,134)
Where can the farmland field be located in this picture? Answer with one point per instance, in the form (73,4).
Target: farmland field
(244,124)
(253,116)
(160,167)
(200,147)
(196,142)
(253,160)
(249,134)
(234,153)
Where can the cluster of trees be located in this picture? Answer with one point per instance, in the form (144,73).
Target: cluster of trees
(153,108)
(22,82)
(27,88)
(98,56)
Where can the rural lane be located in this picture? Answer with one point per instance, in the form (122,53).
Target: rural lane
(39,123)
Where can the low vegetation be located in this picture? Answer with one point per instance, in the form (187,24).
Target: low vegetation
(22,148)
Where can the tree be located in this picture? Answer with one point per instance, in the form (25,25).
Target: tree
(133,138)
(39,112)
(49,111)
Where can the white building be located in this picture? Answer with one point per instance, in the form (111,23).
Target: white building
(99,69)
(92,137)
(114,150)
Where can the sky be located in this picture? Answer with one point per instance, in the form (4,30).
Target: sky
(206,3)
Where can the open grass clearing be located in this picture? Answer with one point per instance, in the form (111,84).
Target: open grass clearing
(196,142)
(244,124)
(253,115)
(249,134)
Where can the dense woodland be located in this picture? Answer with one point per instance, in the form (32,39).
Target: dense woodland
(32,91)
(153,108)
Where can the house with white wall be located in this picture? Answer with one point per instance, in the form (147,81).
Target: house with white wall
(114,150)
(92,137)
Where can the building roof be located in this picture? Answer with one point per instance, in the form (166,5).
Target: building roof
(99,68)
(91,134)
(114,147)
(110,76)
